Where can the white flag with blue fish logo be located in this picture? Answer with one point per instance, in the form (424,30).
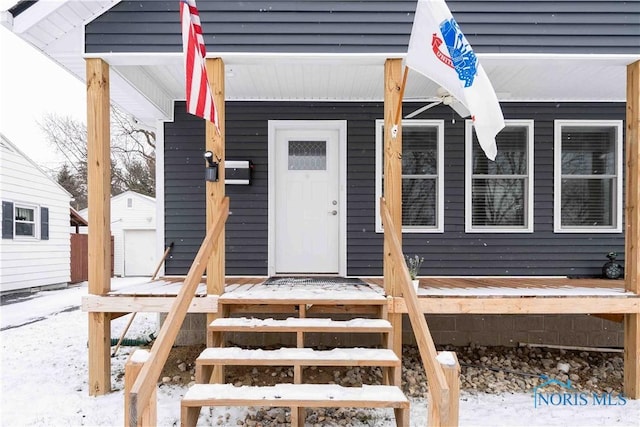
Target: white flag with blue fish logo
(440,51)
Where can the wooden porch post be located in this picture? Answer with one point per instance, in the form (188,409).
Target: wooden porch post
(393,192)
(632,235)
(215,142)
(99,182)
(215,190)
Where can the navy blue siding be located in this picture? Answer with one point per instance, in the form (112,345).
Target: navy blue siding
(453,252)
(375,26)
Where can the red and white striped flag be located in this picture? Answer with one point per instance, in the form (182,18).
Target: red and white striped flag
(199,96)
(440,51)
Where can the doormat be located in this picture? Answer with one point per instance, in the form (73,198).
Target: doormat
(317,281)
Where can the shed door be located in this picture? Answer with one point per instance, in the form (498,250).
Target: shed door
(139,252)
(307,190)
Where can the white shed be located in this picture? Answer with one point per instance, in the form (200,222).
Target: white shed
(133,227)
(35,248)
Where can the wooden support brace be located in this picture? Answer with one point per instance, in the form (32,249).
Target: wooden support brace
(132,368)
(218,339)
(298,372)
(99,353)
(632,356)
(632,232)
(402,417)
(297,369)
(296,418)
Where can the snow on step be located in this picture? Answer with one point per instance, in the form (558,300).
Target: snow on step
(356,356)
(301,323)
(303,394)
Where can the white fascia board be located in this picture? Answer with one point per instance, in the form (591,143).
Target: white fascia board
(6,20)
(41,10)
(235,58)
(615,59)
(34,14)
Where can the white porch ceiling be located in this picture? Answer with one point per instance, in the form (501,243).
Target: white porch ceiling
(339,78)
(145,85)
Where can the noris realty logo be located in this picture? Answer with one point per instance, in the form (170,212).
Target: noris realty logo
(566,395)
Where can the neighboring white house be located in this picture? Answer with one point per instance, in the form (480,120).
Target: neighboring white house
(35,248)
(133,226)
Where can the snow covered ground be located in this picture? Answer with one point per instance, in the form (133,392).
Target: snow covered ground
(43,375)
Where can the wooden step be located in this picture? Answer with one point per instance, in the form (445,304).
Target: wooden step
(294,324)
(296,357)
(294,396)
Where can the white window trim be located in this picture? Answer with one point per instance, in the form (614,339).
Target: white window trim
(36,221)
(439,228)
(468,175)
(557,175)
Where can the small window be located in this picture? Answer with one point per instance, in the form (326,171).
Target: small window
(422,175)
(588,176)
(129,202)
(24,221)
(499,194)
(307,155)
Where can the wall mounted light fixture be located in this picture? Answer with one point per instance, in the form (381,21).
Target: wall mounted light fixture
(211,172)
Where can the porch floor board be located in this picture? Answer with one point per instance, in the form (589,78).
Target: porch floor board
(507,295)
(520,287)
(253,288)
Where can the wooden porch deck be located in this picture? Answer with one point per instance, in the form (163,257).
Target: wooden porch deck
(437,295)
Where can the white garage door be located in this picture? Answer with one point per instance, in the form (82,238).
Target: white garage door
(139,252)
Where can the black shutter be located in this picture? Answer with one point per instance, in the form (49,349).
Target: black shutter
(44,223)
(7,220)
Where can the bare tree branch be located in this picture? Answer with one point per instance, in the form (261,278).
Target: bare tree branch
(132,154)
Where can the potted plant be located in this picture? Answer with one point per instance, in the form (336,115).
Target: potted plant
(413,264)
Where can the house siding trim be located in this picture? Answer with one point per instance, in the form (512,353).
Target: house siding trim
(159,213)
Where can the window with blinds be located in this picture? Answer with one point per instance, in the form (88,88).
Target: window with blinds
(422,175)
(25,221)
(499,193)
(588,176)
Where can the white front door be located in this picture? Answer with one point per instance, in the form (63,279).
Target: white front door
(307,211)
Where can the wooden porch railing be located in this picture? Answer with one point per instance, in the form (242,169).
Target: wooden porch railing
(442,411)
(146,382)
